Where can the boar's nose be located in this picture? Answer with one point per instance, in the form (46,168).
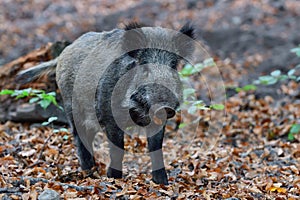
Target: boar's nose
(164,111)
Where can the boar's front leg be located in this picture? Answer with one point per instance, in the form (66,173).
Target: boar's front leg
(155,142)
(116,149)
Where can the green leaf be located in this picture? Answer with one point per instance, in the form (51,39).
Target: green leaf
(65,137)
(267,80)
(22,93)
(238,89)
(291,72)
(291,137)
(49,121)
(296,51)
(199,67)
(187,70)
(63,130)
(246,88)
(44,103)
(45,123)
(188,92)
(276,73)
(283,77)
(34,99)
(182,125)
(198,102)
(51,94)
(202,107)
(55,103)
(293,77)
(7,92)
(192,109)
(295,129)
(217,106)
(249,87)
(209,62)
(61,108)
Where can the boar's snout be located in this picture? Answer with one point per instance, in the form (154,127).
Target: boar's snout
(152,102)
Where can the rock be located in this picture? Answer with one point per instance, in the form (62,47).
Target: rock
(49,195)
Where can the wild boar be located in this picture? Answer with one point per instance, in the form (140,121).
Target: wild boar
(121,78)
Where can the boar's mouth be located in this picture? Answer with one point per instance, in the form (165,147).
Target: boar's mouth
(158,116)
(152,102)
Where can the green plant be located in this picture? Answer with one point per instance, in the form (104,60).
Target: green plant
(274,77)
(50,122)
(295,129)
(36,96)
(296,50)
(245,88)
(277,76)
(189,100)
(189,70)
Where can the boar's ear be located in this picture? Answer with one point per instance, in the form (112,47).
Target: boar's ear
(185,40)
(134,38)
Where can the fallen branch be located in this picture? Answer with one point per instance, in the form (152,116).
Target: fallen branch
(10,190)
(64,185)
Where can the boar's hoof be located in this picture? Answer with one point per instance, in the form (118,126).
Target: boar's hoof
(160,176)
(114,173)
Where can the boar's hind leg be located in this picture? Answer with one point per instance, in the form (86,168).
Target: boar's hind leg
(116,150)
(86,159)
(159,174)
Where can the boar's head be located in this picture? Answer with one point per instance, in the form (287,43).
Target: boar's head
(154,89)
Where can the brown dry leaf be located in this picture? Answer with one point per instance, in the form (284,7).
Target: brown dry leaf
(33,194)
(51,152)
(26,196)
(278,189)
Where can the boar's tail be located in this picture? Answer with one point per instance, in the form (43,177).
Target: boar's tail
(33,73)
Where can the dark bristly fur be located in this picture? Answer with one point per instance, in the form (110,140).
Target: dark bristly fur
(146,45)
(133,25)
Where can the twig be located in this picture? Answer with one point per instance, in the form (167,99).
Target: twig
(64,185)
(41,153)
(9,190)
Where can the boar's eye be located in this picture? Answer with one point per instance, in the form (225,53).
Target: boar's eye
(173,64)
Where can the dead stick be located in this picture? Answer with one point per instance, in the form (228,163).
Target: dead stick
(9,190)
(41,153)
(65,185)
